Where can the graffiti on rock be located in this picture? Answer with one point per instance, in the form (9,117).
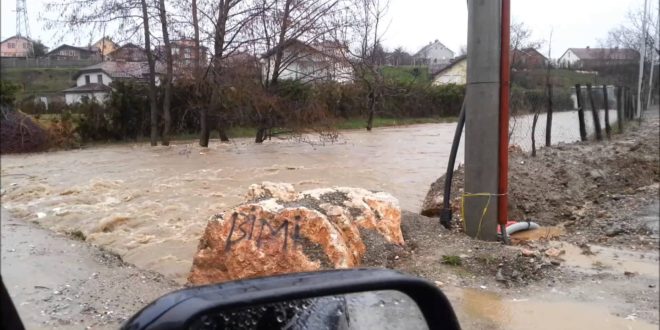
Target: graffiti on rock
(243,228)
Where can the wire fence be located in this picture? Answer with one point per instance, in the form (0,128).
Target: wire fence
(45,62)
(544,117)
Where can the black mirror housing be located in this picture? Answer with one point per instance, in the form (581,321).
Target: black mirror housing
(178,309)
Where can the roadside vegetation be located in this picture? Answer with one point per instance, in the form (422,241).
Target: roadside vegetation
(294,107)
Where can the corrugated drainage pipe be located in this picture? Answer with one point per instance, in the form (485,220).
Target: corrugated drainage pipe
(445,213)
(521,226)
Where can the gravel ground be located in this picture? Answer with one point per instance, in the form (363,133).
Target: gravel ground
(59,282)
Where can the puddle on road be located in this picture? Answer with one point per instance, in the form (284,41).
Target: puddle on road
(586,308)
(480,309)
(543,233)
(595,258)
(609,260)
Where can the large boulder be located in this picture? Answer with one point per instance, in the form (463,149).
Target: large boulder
(279,231)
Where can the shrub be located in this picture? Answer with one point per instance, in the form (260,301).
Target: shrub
(8,92)
(94,122)
(127,110)
(62,133)
(20,133)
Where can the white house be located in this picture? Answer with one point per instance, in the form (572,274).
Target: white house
(300,61)
(588,58)
(435,55)
(93,92)
(93,82)
(453,73)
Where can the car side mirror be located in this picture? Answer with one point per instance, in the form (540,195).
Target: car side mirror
(335,299)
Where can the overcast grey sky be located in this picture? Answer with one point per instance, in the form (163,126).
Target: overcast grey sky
(413,23)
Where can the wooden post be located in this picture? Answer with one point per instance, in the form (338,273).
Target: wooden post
(630,105)
(536,119)
(594,112)
(619,111)
(606,102)
(627,103)
(580,104)
(548,123)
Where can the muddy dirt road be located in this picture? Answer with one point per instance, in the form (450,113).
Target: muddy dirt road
(58,282)
(72,285)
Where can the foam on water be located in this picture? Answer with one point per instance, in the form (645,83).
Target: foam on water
(150,205)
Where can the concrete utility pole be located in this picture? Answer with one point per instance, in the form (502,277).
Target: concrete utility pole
(653,61)
(482,119)
(642,55)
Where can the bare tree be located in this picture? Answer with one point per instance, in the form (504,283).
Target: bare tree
(228,23)
(129,17)
(167,97)
(400,57)
(637,32)
(93,17)
(630,33)
(196,51)
(397,56)
(521,39)
(365,37)
(286,22)
(463,50)
(152,75)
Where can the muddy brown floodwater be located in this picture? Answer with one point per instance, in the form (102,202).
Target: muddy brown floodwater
(150,204)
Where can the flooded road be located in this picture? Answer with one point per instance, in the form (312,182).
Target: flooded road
(616,289)
(150,205)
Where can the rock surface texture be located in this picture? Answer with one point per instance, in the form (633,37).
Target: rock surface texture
(280,231)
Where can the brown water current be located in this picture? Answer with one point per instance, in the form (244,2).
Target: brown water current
(150,204)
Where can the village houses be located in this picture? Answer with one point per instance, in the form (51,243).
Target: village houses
(590,58)
(16,46)
(317,62)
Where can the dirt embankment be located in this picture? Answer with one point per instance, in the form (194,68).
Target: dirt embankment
(597,251)
(593,189)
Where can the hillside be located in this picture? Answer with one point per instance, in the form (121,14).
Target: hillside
(39,81)
(407,74)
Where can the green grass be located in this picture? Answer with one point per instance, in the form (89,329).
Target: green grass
(361,123)
(41,81)
(238,132)
(250,132)
(452,260)
(561,78)
(407,74)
